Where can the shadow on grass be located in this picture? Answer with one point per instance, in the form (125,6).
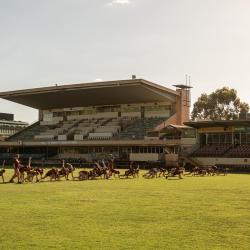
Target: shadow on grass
(173,179)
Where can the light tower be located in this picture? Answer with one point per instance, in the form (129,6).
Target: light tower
(183,101)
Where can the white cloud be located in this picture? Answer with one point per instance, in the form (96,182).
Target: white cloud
(118,2)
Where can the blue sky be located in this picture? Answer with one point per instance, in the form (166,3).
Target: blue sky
(47,42)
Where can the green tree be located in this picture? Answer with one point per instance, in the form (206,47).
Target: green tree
(222,104)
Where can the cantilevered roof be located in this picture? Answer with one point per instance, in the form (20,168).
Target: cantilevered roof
(218,123)
(92,94)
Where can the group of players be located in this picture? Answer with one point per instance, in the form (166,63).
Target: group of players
(105,169)
(27,173)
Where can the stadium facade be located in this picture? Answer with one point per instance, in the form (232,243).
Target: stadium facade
(125,118)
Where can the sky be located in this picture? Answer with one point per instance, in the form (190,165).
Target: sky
(48,42)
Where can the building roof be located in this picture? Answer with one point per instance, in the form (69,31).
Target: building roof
(220,123)
(177,126)
(6,122)
(174,127)
(92,94)
(182,86)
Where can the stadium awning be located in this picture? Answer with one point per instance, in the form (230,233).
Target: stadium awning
(92,94)
(220,123)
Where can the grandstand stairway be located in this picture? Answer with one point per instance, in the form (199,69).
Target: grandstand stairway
(193,162)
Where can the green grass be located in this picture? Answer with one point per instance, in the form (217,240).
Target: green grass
(193,213)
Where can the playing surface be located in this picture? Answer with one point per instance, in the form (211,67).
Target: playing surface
(193,213)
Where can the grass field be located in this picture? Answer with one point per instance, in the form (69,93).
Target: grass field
(193,213)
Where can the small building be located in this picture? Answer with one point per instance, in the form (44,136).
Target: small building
(8,126)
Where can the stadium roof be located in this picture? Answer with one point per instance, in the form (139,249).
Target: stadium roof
(92,94)
(219,123)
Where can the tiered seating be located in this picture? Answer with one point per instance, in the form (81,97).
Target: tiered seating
(139,128)
(212,150)
(49,133)
(66,128)
(100,136)
(109,129)
(87,126)
(83,129)
(91,129)
(58,131)
(28,133)
(239,151)
(81,133)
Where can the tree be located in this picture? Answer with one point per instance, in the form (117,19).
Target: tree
(222,104)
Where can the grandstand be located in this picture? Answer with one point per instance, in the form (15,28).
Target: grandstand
(94,120)
(221,143)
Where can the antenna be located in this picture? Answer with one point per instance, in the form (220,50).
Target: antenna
(187,103)
(189,93)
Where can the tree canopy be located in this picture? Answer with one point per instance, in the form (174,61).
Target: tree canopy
(222,104)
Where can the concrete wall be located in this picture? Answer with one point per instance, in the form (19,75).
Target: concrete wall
(188,141)
(144,157)
(72,155)
(90,116)
(126,110)
(227,161)
(149,114)
(131,114)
